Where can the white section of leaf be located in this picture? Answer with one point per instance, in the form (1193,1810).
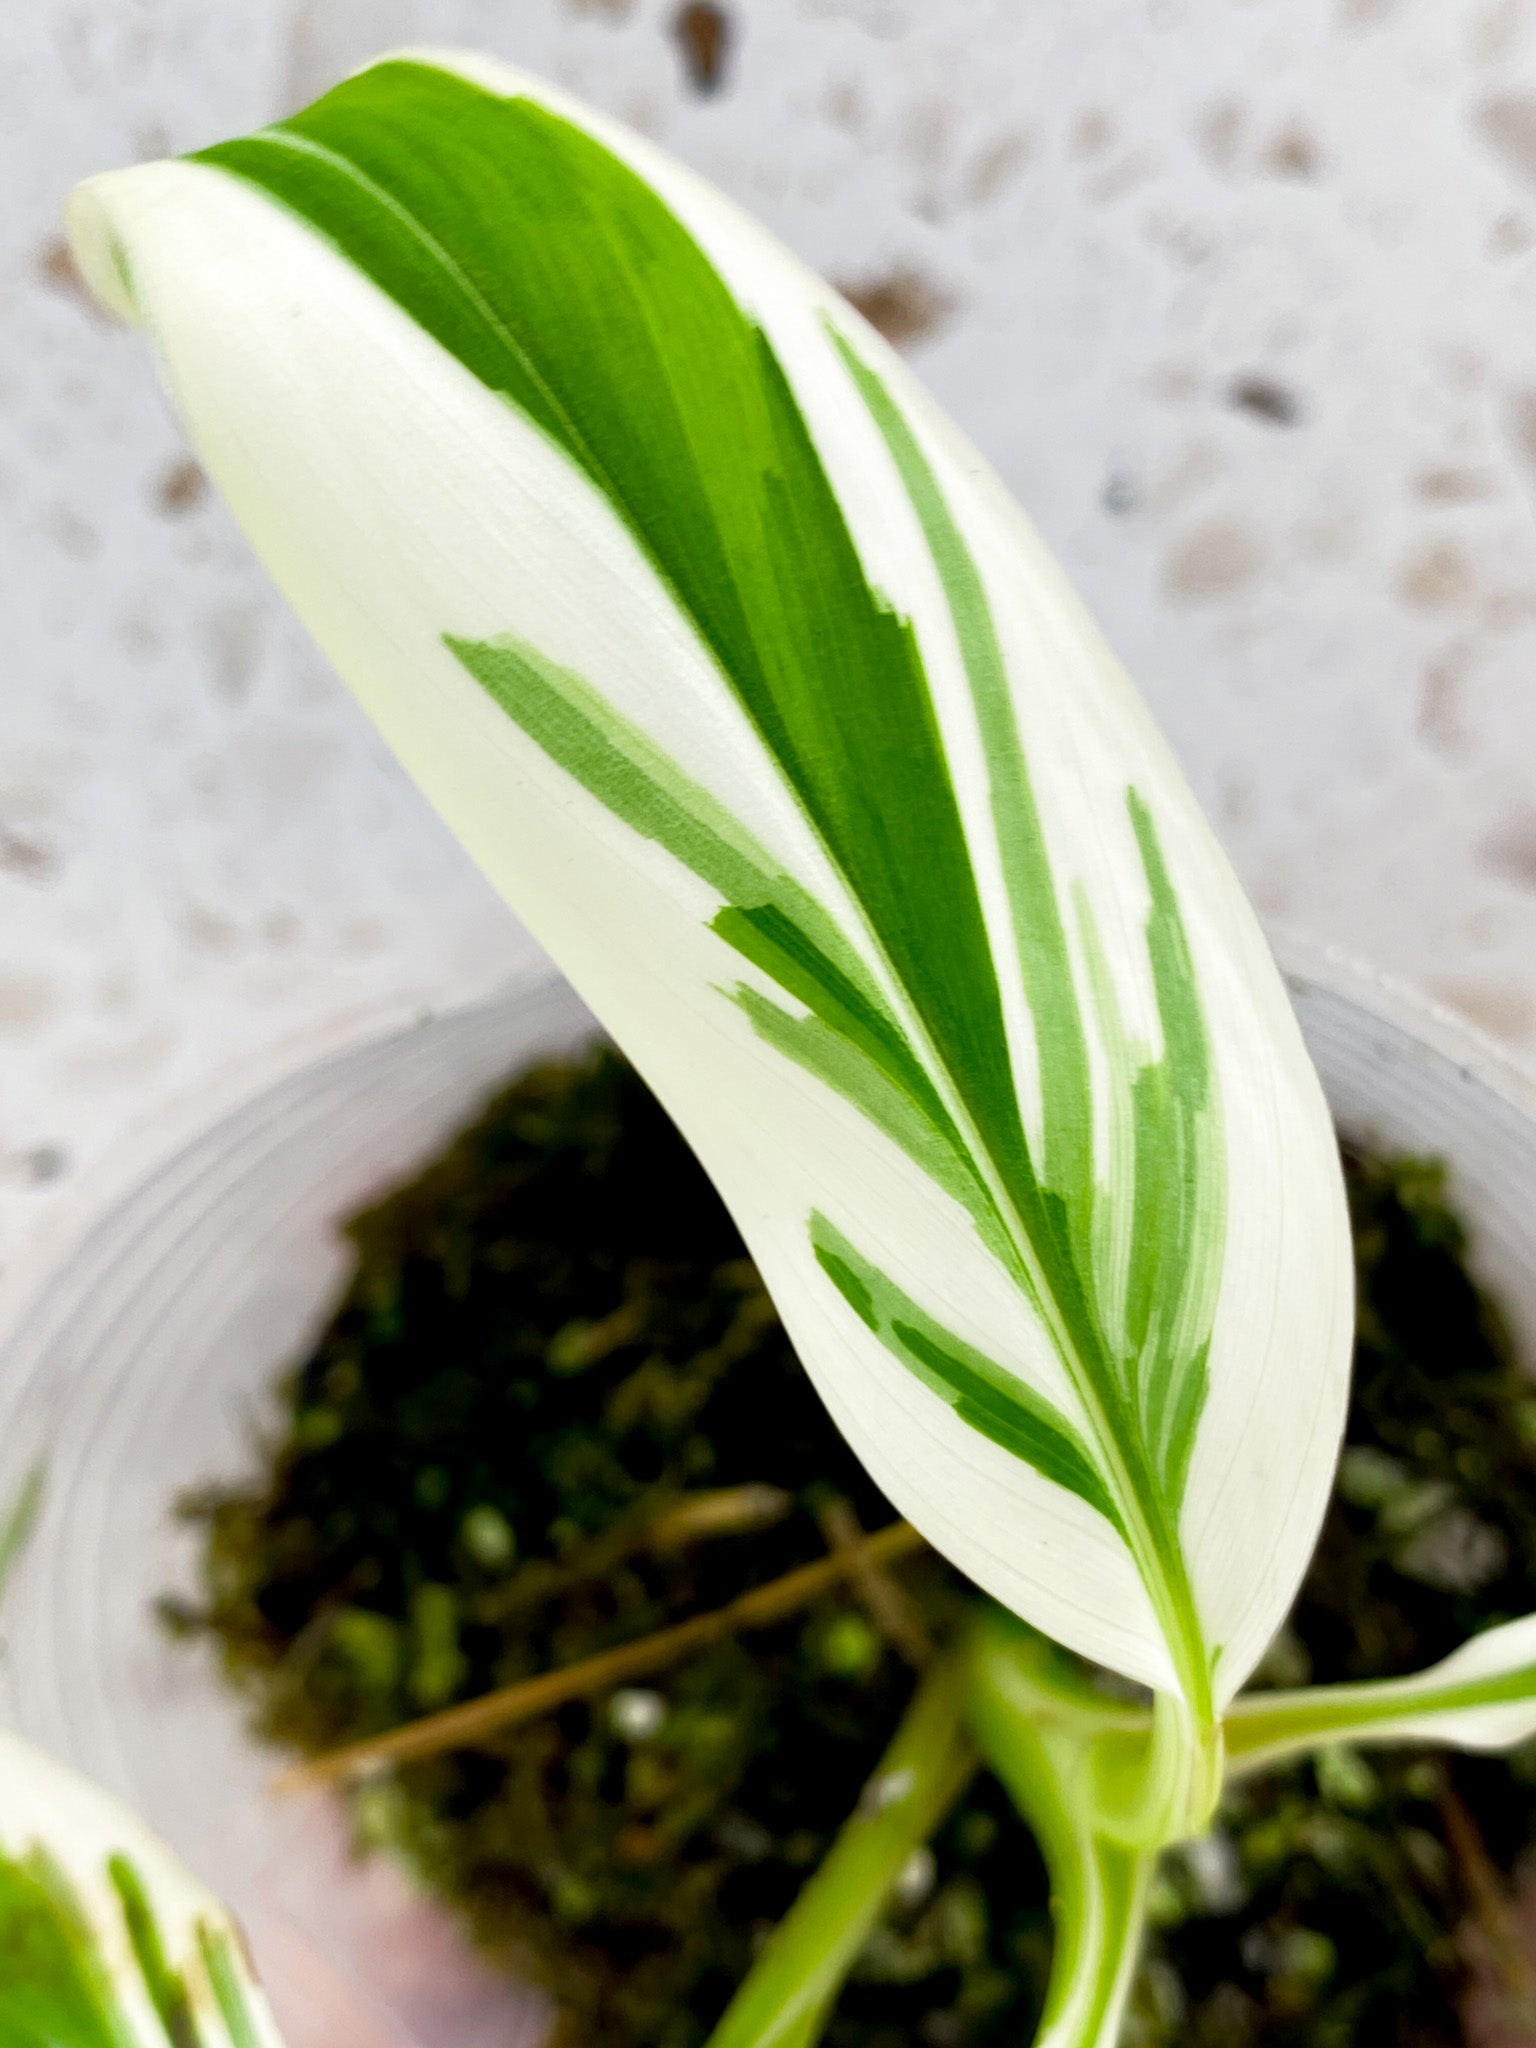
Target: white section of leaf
(389,494)
(1281,1344)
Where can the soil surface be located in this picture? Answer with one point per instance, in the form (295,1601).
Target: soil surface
(555,1411)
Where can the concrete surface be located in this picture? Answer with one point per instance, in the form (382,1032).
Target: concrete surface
(1240,295)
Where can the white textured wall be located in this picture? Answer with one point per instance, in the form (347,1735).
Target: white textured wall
(1239,294)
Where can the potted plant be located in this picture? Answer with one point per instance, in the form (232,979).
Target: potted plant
(745,681)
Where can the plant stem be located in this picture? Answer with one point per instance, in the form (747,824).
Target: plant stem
(1048,1737)
(786,1997)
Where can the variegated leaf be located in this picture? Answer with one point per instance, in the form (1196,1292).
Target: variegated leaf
(105,1940)
(749,686)
(1483,1696)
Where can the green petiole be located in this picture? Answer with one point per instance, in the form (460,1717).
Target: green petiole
(786,1997)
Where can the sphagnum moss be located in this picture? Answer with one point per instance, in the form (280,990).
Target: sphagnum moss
(555,1411)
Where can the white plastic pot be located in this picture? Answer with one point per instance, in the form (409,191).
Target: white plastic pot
(139,1344)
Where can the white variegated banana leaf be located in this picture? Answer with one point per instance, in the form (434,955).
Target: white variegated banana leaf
(746,682)
(105,1940)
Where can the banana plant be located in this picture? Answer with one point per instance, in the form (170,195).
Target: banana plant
(746,682)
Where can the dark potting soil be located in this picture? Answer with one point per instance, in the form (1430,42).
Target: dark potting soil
(555,1411)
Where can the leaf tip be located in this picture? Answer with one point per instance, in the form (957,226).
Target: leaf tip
(91,225)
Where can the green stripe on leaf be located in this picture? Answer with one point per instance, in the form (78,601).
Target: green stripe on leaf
(1164,1251)
(56,1990)
(685,421)
(62,1973)
(166,1986)
(782,949)
(768,917)
(992,1400)
(625,770)
(227,1980)
(1067,1152)
(846,1069)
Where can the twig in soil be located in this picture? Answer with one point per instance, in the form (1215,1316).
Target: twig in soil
(883,1600)
(686,1519)
(462,1726)
(724,1511)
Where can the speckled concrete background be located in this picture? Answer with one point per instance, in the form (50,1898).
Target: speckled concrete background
(1240,295)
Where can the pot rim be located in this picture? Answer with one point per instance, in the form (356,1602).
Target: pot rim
(155,1136)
